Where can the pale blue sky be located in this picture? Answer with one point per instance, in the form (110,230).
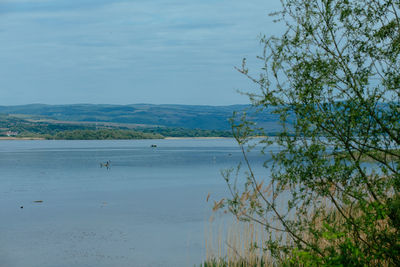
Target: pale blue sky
(129,51)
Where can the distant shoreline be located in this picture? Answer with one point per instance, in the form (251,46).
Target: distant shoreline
(198,137)
(21,138)
(166,138)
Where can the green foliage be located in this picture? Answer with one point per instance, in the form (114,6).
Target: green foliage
(171,116)
(104,134)
(334,79)
(74,130)
(184,132)
(225,263)
(26,128)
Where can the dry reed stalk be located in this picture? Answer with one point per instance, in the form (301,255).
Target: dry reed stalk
(238,244)
(241,243)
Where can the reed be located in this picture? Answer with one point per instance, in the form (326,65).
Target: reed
(235,244)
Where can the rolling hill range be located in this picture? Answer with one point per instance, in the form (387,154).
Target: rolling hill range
(143,115)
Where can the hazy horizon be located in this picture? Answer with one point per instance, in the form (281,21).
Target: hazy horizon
(130,104)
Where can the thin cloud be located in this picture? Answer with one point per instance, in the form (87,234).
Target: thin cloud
(51,5)
(153,51)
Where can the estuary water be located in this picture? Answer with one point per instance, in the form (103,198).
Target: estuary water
(59,208)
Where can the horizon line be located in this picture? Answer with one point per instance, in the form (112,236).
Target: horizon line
(99,104)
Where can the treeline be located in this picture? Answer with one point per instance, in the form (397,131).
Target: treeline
(142,133)
(184,132)
(103,134)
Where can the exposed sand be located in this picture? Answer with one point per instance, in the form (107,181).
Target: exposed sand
(21,138)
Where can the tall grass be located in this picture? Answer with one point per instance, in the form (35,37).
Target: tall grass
(235,244)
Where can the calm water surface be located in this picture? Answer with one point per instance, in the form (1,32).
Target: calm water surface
(148,209)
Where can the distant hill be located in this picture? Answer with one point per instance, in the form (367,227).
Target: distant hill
(11,126)
(183,116)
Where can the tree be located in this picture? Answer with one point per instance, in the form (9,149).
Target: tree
(334,79)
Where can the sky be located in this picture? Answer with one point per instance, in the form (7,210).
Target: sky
(130,51)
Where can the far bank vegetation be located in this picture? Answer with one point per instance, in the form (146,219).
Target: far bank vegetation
(104,134)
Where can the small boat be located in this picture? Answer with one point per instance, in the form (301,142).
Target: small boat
(153,145)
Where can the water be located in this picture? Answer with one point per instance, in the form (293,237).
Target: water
(148,209)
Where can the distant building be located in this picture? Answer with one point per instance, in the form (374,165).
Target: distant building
(11,133)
